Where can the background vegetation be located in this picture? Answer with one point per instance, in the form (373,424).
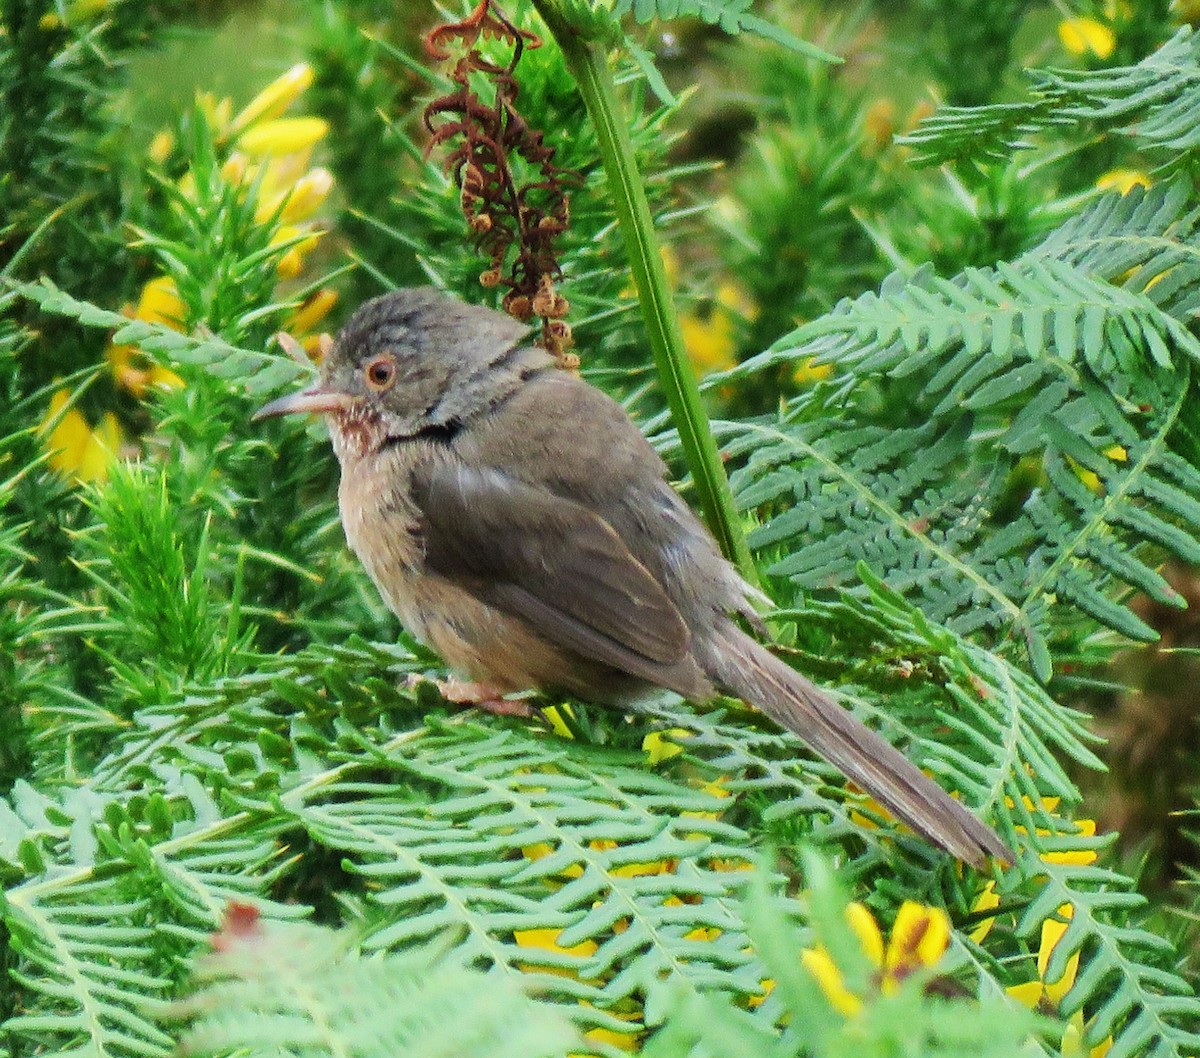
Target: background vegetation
(942,294)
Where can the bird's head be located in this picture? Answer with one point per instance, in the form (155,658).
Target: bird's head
(413,363)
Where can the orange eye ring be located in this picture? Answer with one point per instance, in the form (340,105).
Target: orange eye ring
(380,373)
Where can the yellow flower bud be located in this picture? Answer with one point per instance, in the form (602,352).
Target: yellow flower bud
(292,263)
(300,201)
(283,136)
(216,112)
(315,308)
(161,146)
(1083,35)
(275,98)
(658,746)
(236,168)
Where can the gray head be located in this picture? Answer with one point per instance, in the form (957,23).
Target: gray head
(415,362)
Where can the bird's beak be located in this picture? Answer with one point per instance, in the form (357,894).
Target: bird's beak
(317,399)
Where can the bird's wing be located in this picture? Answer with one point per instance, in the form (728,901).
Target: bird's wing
(552,563)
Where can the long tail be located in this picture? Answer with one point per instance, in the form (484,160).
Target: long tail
(746,669)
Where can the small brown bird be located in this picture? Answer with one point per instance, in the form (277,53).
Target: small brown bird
(517,522)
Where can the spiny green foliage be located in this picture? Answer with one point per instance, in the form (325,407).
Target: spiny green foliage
(1155,101)
(982,29)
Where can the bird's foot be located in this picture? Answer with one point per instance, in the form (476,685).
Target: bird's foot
(458,691)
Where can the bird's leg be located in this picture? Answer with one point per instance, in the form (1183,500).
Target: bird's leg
(458,691)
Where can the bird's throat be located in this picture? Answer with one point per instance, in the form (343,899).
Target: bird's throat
(356,432)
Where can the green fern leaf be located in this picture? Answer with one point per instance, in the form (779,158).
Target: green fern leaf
(1154,101)
(998,745)
(1039,359)
(256,373)
(516,837)
(733,16)
(302,990)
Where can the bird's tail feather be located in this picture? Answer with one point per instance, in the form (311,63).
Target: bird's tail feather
(746,669)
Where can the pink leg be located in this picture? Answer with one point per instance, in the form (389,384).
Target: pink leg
(458,691)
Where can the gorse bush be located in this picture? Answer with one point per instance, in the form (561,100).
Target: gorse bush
(949,360)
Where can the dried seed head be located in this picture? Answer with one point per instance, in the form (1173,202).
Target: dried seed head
(518,306)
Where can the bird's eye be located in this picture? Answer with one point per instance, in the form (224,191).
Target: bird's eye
(380,373)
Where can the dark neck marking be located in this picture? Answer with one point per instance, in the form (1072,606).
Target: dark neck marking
(439,432)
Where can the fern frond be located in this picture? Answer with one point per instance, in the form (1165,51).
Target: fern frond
(1127,982)
(1146,241)
(592,879)
(303,990)
(1038,368)
(88,961)
(256,373)
(1155,101)
(1000,733)
(572,872)
(733,16)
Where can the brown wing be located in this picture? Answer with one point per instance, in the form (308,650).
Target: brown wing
(555,565)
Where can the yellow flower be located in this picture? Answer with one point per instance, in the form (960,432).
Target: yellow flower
(1077,857)
(235,169)
(161,146)
(75,448)
(709,341)
(987,900)
(810,371)
(711,338)
(624,1041)
(1082,35)
(658,745)
(1041,993)
(1084,827)
(544,848)
(283,136)
(632,870)
(312,311)
(920,936)
(1123,180)
(275,98)
(547,939)
(292,262)
(298,202)
(160,303)
(216,112)
(137,374)
(705,933)
(558,721)
(1072,1041)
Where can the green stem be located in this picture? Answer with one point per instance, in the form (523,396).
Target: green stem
(588,64)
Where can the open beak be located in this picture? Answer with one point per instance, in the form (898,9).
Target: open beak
(317,399)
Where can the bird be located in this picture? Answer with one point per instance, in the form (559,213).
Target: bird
(518,523)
